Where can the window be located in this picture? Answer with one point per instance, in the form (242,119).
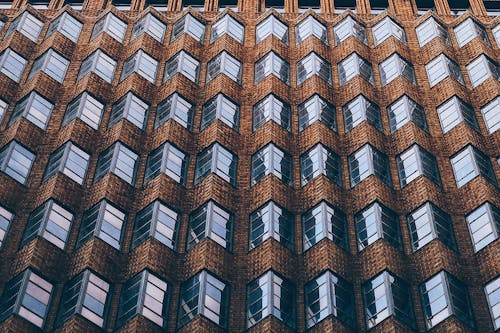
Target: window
(377,222)
(429,222)
(103,221)
(16,161)
(85,107)
(87,295)
(228,4)
(189,25)
(66,25)
(222,108)
(216,159)
(444,295)
(305,5)
(329,295)
(481,69)
(204,295)
(169,160)
(368,161)
(492,291)
(26,24)
(310,27)
(355,65)
(271,26)
(34,108)
(387,295)
(99,63)
(112,25)
(490,114)
(27,295)
(324,221)
(52,64)
(453,112)
(5,220)
(3,109)
(117,159)
(349,27)
(378,6)
(271,160)
(320,160)
(342,6)
(492,7)
(210,221)
(270,295)
(12,64)
(415,162)
(224,63)
(442,67)
(75,4)
(271,221)
(404,110)
(157,221)
(70,160)
(484,225)
(177,108)
(150,25)
(361,109)
(197,5)
(496,33)
(468,30)
(469,163)
(315,108)
(313,64)
(227,25)
(146,295)
(50,221)
(142,64)
(395,66)
(184,64)
(273,64)
(129,107)
(271,108)
(277,5)
(387,28)
(430,29)
(423,6)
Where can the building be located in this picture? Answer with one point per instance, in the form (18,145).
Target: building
(319,166)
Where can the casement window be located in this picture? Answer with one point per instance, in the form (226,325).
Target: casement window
(70,160)
(182,63)
(272,64)
(218,160)
(177,108)
(368,161)
(481,69)
(404,110)
(470,163)
(442,67)
(271,26)
(271,160)
(66,25)
(142,64)
(129,107)
(35,108)
(415,162)
(111,25)
(430,29)
(271,221)
(395,66)
(117,159)
(484,225)
(492,291)
(354,65)
(491,115)
(387,28)
(5,220)
(224,63)
(99,63)
(320,160)
(227,25)
(349,27)
(313,64)
(12,64)
(188,25)
(453,112)
(222,108)
(16,161)
(51,63)
(315,108)
(167,159)
(26,24)
(150,25)
(87,108)
(361,109)
(210,221)
(468,30)
(310,27)
(324,221)
(271,108)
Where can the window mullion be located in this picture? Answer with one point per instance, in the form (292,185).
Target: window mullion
(142,292)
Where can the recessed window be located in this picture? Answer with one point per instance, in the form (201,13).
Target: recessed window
(224,63)
(368,161)
(349,27)
(481,69)
(484,225)
(404,110)
(458,7)
(87,108)
(189,25)
(343,5)
(145,295)
(320,160)
(355,65)
(270,295)
(395,66)
(75,4)
(429,222)
(271,108)
(468,30)
(442,67)
(123,5)
(361,109)
(87,295)
(387,28)
(431,29)
(157,221)
(142,64)
(197,5)
(271,221)
(111,25)
(317,109)
(169,160)
(129,107)
(271,160)
(377,222)
(204,295)
(492,291)
(387,295)
(443,295)
(492,7)
(228,4)
(16,161)
(12,64)
(378,6)
(70,160)
(491,115)
(271,26)
(310,27)
(103,221)
(177,108)
(51,63)
(272,64)
(277,5)
(222,108)
(182,63)
(66,25)
(117,159)
(34,108)
(323,221)
(423,6)
(150,25)
(5,220)
(453,112)
(218,160)
(305,5)
(227,25)
(329,295)
(415,162)
(27,295)
(469,163)
(210,221)
(313,64)
(50,221)
(26,24)
(99,63)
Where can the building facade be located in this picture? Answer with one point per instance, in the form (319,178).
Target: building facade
(249,166)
